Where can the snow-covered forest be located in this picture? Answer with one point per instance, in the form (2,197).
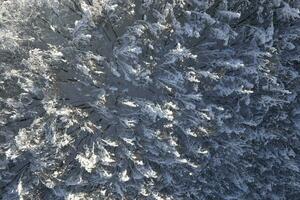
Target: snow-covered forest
(149,99)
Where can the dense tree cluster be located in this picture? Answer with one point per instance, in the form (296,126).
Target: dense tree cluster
(149,99)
